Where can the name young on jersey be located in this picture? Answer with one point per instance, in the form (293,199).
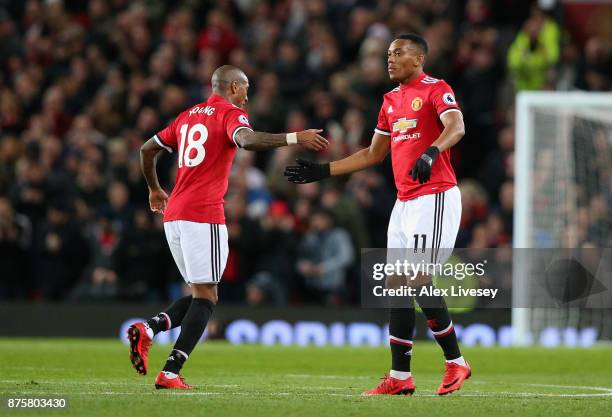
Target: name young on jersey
(208,110)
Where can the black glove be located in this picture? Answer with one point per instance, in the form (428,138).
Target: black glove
(422,168)
(306,171)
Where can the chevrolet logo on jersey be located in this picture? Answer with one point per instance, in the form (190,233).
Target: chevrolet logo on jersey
(403,124)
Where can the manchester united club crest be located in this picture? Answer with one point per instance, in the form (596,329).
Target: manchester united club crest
(417,103)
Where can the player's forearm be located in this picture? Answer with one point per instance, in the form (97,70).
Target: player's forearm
(450,136)
(148,162)
(261,141)
(362,159)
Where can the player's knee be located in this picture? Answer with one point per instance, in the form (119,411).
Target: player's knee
(207,291)
(395,281)
(213,298)
(419,280)
(210,297)
(398,281)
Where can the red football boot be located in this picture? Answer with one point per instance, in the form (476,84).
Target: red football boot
(140,342)
(393,386)
(163,382)
(453,377)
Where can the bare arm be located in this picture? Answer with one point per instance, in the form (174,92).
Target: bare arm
(309,171)
(364,158)
(148,161)
(261,141)
(454,129)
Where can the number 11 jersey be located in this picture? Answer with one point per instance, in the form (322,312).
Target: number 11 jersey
(204,139)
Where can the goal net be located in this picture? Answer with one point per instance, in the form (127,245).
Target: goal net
(563,195)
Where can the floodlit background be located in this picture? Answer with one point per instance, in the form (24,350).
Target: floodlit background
(84,83)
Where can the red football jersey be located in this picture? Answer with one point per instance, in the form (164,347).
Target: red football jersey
(204,138)
(410,116)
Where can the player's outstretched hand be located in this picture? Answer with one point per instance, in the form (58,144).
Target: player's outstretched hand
(306,171)
(422,167)
(311,139)
(158,200)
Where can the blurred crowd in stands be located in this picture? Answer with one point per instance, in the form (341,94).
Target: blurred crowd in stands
(84,83)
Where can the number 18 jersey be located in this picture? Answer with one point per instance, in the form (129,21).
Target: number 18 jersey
(204,139)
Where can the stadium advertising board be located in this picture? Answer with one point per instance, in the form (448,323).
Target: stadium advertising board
(268,326)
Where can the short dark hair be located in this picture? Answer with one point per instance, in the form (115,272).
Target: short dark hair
(416,39)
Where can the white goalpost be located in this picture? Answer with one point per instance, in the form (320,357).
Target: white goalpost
(563,183)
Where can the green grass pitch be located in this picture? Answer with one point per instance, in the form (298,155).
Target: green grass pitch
(96,378)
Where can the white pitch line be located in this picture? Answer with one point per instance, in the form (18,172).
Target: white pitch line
(327,376)
(316,390)
(106,383)
(609,390)
(506,394)
(35,368)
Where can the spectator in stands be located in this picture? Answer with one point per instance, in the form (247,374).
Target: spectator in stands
(263,289)
(596,66)
(63,252)
(140,261)
(83,85)
(276,254)
(475,209)
(376,199)
(267,109)
(100,281)
(243,239)
(15,241)
(324,255)
(346,213)
(30,191)
(534,52)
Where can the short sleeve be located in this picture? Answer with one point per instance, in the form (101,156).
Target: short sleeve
(443,98)
(166,138)
(236,120)
(382,126)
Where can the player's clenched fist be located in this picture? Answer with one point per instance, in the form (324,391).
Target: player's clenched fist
(422,167)
(158,200)
(311,139)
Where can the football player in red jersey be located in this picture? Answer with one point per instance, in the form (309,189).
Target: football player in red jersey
(205,138)
(419,121)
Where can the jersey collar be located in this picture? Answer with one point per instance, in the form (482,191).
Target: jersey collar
(217,97)
(413,82)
